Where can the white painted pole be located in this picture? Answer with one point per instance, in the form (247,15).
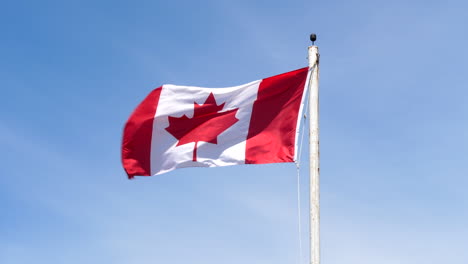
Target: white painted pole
(314,155)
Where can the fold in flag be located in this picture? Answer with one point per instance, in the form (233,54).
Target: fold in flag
(184,126)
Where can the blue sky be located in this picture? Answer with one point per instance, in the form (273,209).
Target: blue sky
(393,132)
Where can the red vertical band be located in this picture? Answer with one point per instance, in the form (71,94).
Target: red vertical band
(272,130)
(136,143)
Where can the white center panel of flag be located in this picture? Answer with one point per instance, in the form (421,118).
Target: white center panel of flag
(176,101)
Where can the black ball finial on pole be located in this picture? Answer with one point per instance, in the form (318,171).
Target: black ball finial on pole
(313,38)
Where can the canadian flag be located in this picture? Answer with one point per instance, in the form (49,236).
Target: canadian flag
(185,126)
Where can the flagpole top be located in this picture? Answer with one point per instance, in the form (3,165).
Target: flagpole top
(313,38)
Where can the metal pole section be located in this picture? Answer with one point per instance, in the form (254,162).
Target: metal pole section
(314,155)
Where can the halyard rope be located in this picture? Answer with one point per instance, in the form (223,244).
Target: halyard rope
(299,225)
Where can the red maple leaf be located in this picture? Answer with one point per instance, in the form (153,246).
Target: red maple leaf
(205,125)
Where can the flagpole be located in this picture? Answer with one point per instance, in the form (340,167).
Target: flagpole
(314,154)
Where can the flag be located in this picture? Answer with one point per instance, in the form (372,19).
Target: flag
(185,126)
